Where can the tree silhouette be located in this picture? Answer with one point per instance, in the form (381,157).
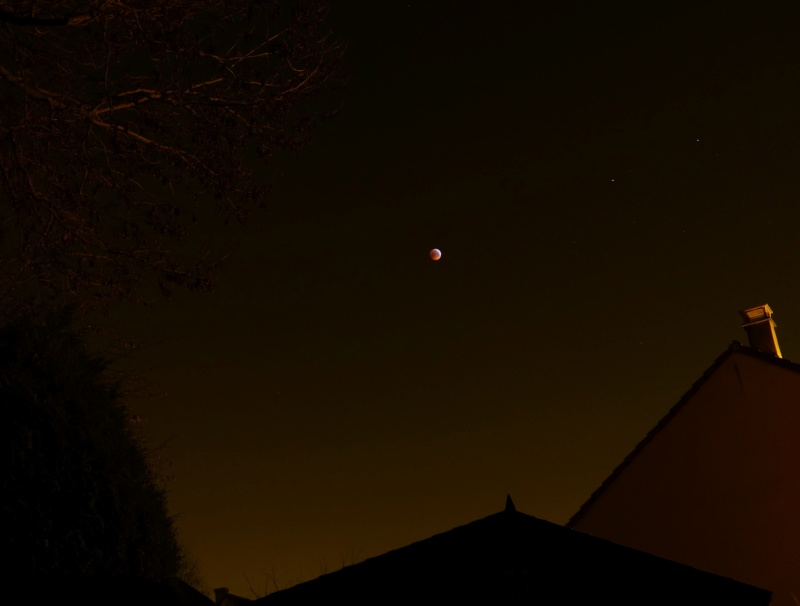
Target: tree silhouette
(79,496)
(122,122)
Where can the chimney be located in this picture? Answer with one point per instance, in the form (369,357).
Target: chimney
(220,593)
(760,329)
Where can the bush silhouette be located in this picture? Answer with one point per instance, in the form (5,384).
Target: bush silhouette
(79,496)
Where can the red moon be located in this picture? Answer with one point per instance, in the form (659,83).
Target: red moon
(436,254)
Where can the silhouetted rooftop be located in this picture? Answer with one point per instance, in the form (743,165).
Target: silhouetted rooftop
(514,558)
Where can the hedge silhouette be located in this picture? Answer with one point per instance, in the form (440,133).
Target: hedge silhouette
(79,495)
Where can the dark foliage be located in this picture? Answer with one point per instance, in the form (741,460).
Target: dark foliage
(123,122)
(79,496)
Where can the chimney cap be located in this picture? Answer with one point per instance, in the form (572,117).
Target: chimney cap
(756,314)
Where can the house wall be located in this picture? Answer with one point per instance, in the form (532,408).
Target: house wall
(718,486)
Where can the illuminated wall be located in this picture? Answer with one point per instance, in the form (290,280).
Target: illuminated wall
(717,484)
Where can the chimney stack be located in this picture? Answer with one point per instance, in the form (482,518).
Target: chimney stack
(760,329)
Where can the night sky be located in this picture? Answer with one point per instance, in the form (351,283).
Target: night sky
(608,187)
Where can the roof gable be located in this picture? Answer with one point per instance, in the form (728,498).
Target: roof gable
(510,558)
(734,348)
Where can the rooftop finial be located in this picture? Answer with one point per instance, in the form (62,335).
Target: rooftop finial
(510,504)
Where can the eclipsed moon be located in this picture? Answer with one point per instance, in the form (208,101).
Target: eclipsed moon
(436,254)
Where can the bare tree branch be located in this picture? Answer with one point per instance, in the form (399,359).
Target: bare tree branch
(123,121)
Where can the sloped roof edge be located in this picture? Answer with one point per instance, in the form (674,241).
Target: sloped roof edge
(734,347)
(515,558)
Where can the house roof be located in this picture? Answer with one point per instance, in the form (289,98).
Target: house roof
(734,348)
(514,558)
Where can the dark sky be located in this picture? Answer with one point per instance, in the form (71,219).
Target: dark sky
(608,188)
